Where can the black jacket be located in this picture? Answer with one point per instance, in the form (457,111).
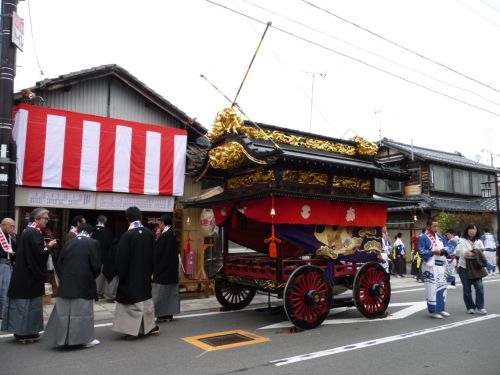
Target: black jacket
(166,259)
(30,271)
(476,265)
(79,265)
(105,237)
(134,266)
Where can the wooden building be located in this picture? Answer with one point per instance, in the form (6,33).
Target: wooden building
(109,91)
(439,182)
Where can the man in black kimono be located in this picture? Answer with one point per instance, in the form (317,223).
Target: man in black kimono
(166,272)
(72,319)
(134,313)
(24,312)
(107,281)
(75,224)
(7,251)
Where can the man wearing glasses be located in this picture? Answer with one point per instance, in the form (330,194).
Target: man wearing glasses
(7,242)
(23,314)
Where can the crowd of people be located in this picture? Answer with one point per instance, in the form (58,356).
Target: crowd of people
(435,259)
(139,271)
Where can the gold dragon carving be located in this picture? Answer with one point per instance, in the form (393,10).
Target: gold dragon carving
(305,177)
(230,155)
(351,183)
(260,177)
(228,121)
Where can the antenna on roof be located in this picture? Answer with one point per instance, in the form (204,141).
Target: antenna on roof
(412,150)
(313,75)
(379,113)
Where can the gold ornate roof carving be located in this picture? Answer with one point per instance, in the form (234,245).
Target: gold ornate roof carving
(229,122)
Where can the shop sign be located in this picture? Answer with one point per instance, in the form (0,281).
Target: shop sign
(58,198)
(17,31)
(119,202)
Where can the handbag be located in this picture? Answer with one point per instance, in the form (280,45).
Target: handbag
(475,266)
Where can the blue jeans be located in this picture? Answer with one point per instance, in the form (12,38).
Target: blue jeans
(466,286)
(5,274)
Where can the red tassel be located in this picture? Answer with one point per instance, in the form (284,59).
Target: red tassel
(273,248)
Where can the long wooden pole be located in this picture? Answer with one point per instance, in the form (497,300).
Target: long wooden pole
(251,62)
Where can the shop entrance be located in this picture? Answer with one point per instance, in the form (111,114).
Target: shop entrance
(116,219)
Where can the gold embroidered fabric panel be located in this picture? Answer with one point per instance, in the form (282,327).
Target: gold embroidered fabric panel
(341,241)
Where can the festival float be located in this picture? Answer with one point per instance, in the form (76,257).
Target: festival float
(306,205)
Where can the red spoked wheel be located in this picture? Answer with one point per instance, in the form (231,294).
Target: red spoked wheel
(308,295)
(233,296)
(372,290)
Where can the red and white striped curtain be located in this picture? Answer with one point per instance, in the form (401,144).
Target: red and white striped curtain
(69,150)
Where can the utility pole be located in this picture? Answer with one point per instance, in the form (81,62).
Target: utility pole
(7,147)
(313,75)
(496,195)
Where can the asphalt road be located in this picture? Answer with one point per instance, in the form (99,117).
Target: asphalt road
(407,342)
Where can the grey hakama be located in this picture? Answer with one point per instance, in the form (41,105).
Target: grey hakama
(105,288)
(109,288)
(134,319)
(166,299)
(23,317)
(71,322)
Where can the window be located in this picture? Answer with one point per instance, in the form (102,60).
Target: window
(441,178)
(461,181)
(476,183)
(487,185)
(480,182)
(387,186)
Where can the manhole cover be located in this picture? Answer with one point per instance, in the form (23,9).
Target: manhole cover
(225,340)
(229,339)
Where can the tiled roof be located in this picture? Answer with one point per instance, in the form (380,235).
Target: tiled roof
(123,74)
(453,158)
(446,204)
(489,203)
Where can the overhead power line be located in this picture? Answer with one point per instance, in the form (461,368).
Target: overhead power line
(400,46)
(354,59)
(490,6)
(372,53)
(479,14)
(33,41)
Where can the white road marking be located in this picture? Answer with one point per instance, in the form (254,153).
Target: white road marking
(332,312)
(383,340)
(177,317)
(406,290)
(413,307)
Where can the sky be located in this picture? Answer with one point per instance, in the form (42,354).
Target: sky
(351,71)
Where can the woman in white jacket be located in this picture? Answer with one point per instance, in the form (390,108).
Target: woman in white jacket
(469,242)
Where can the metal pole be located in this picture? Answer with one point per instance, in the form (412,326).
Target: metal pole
(496,197)
(312,97)
(7,148)
(498,204)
